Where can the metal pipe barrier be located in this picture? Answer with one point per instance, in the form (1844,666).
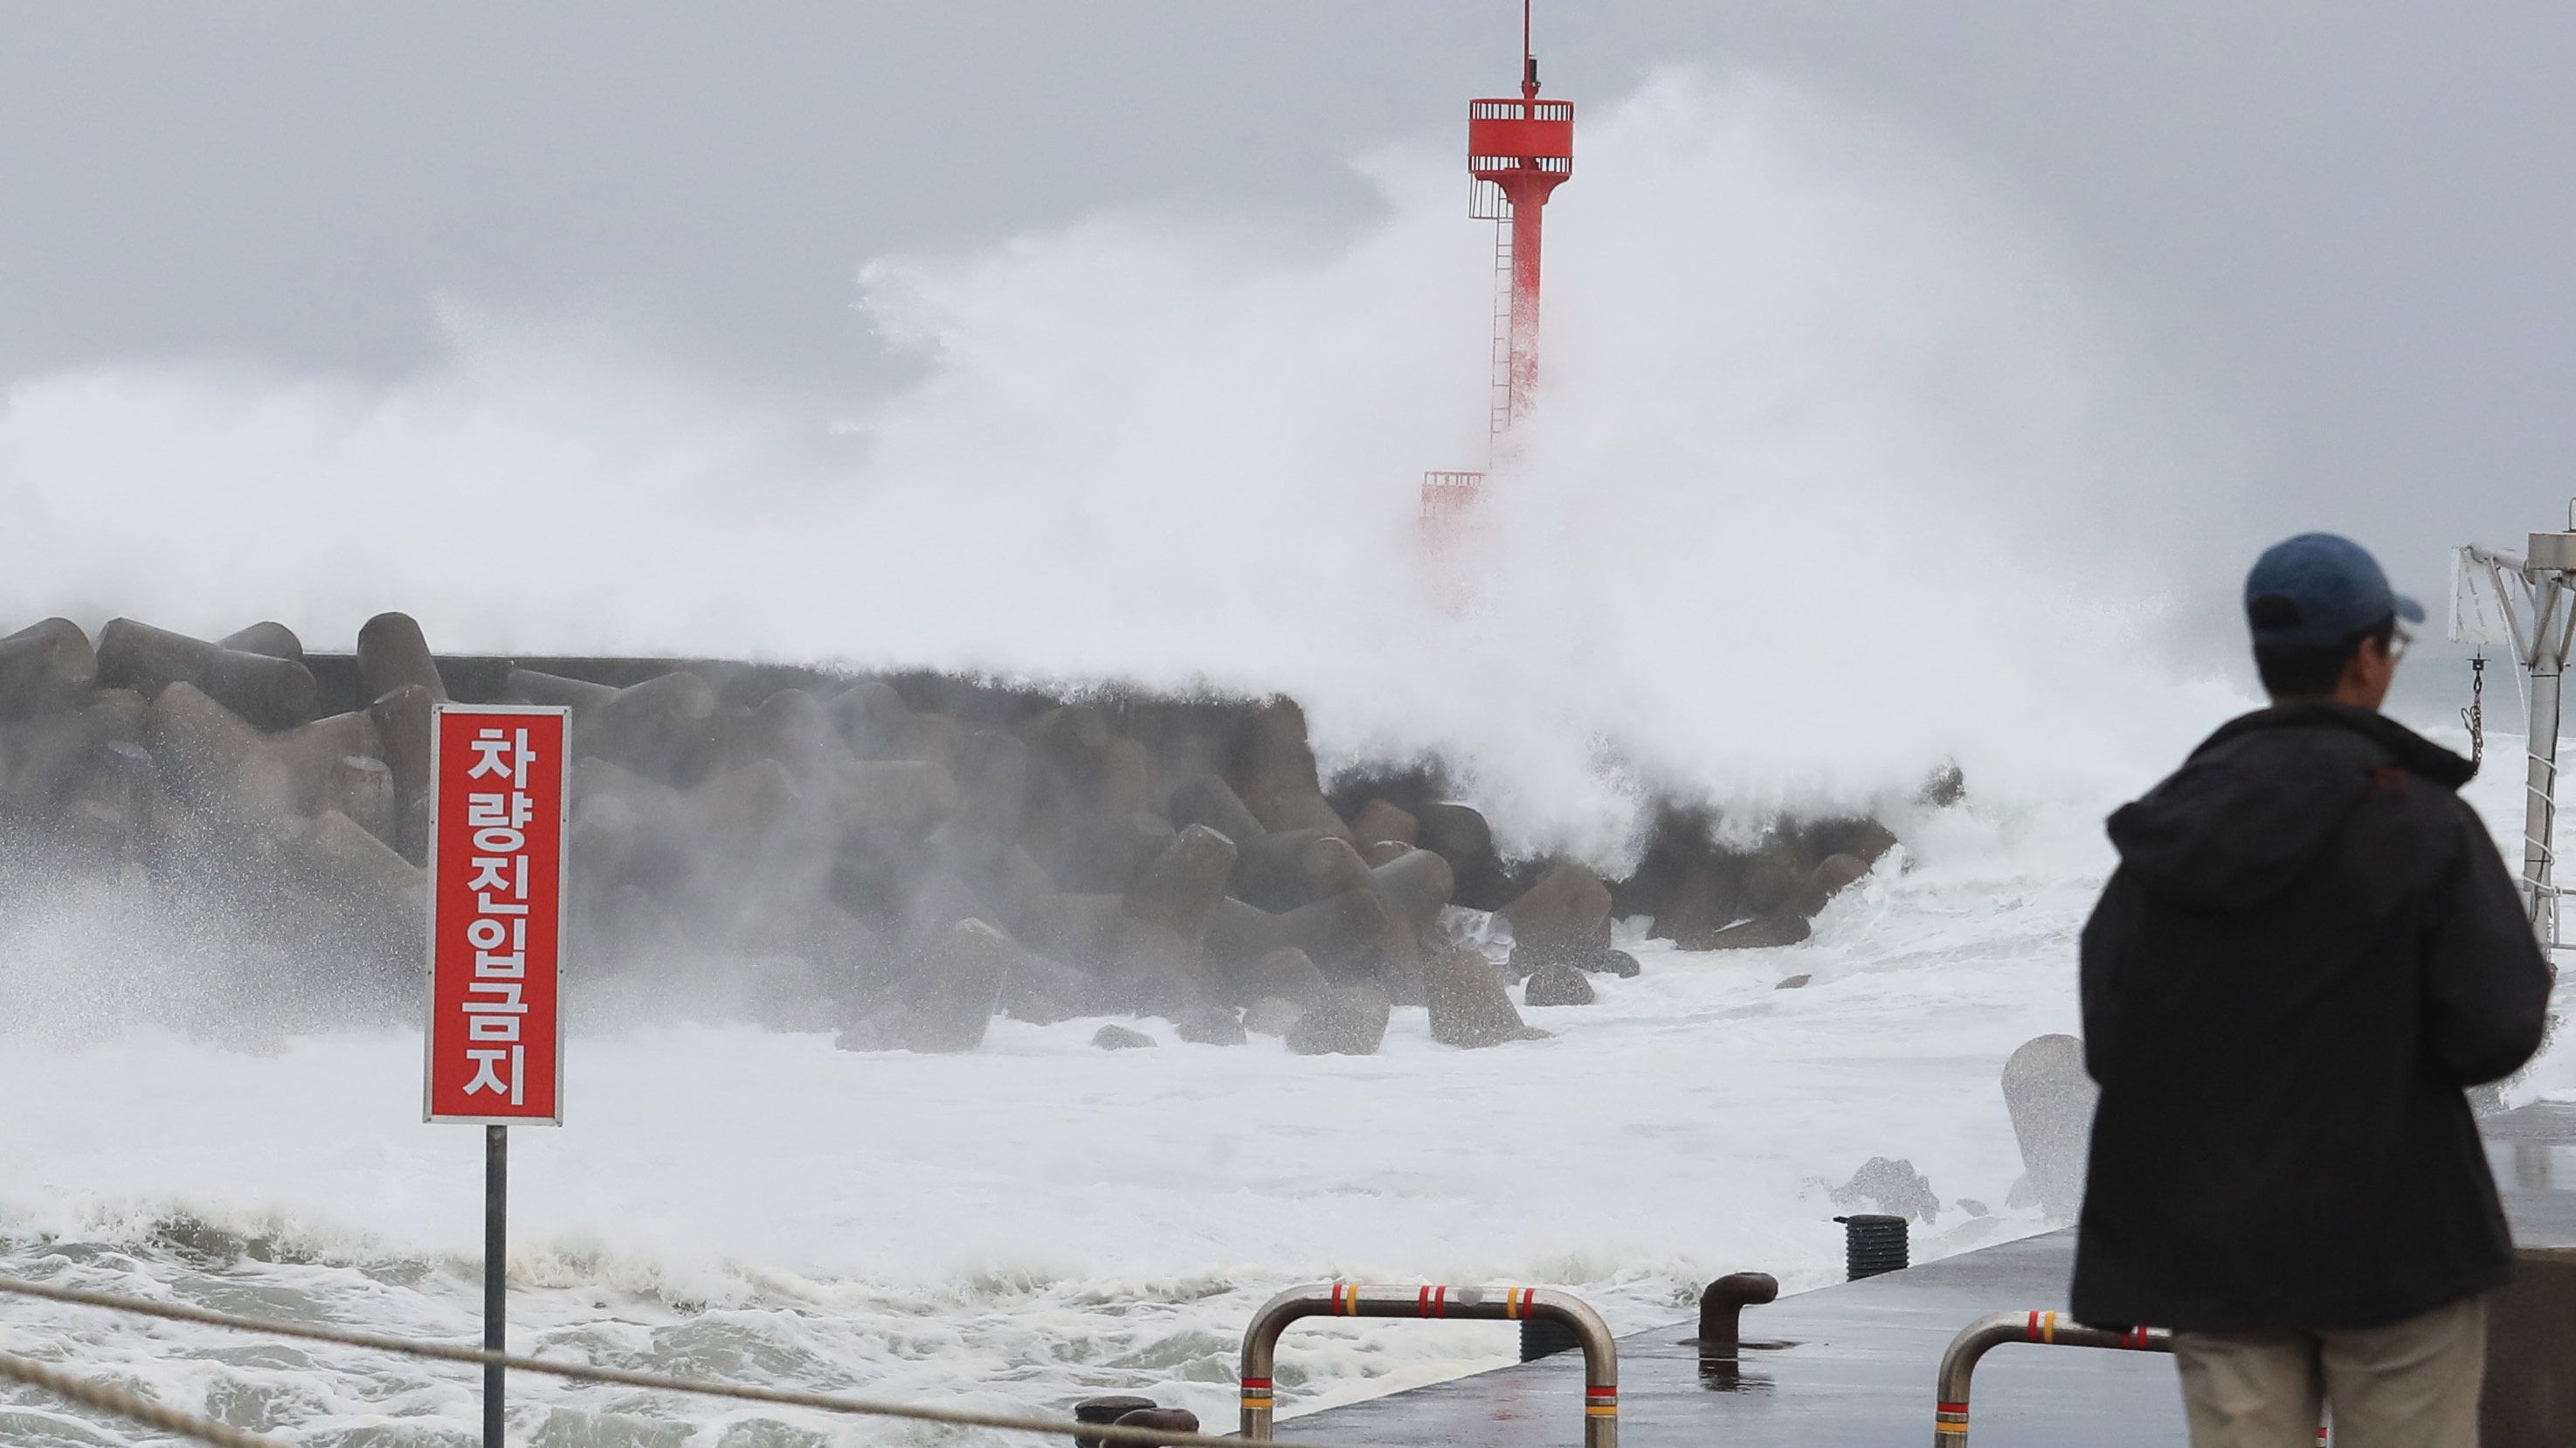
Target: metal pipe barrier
(1483,1304)
(1959,1362)
(1105,1433)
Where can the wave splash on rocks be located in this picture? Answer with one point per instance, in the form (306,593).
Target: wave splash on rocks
(901,858)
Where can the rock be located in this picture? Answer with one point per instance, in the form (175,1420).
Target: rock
(1400,969)
(1043,992)
(44,665)
(1794,982)
(1564,917)
(950,997)
(1455,830)
(991,775)
(1382,823)
(1154,972)
(1947,786)
(1558,985)
(1162,1420)
(1824,882)
(1769,881)
(44,759)
(1701,890)
(792,728)
(267,693)
(1274,772)
(1892,1186)
(871,717)
(363,790)
(2051,1098)
(1271,1016)
(528,686)
(1345,935)
(663,728)
(200,743)
(1283,974)
(1283,870)
(266,637)
(1414,886)
(1210,801)
(1859,836)
(1238,934)
(1297,807)
(1384,852)
(392,654)
(1119,1038)
(1610,962)
(1348,1022)
(893,800)
(1211,1026)
(1112,852)
(1078,928)
(1755,935)
(1184,882)
(125,781)
(312,752)
(1469,1007)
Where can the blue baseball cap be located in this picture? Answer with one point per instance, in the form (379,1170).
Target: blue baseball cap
(2320,589)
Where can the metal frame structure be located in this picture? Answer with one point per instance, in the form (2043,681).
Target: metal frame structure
(2536,592)
(1483,1304)
(1959,1361)
(1519,150)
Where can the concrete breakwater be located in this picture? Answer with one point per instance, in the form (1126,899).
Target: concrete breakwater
(898,857)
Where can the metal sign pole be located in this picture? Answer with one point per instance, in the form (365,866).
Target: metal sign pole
(2540,783)
(496,1272)
(499,814)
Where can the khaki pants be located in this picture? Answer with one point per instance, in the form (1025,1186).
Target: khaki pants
(2412,1384)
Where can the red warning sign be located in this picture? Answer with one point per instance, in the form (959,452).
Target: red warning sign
(498,801)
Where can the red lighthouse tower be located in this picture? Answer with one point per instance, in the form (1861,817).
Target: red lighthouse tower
(1519,150)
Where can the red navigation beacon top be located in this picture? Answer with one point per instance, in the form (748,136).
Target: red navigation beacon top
(1521,143)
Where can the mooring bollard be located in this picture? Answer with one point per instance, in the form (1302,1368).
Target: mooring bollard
(1485,1304)
(1722,1306)
(1959,1362)
(1106,1410)
(1873,1243)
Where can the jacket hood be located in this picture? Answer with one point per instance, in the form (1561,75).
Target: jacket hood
(2260,799)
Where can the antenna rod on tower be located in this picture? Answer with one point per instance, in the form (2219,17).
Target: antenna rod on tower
(1529,56)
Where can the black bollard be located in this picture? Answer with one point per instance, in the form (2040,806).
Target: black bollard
(1106,1410)
(1545,1337)
(1873,1243)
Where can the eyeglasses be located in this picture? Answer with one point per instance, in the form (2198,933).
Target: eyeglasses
(2398,639)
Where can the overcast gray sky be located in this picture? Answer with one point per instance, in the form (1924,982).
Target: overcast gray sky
(2343,226)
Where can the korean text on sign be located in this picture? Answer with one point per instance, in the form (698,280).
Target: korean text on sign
(495,916)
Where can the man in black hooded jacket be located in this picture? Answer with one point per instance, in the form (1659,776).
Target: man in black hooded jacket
(2308,953)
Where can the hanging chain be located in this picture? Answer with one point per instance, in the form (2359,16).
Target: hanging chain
(2475,716)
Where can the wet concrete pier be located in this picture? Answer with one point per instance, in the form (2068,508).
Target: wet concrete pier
(1854,1364)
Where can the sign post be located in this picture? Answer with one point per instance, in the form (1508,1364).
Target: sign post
(494,1052)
